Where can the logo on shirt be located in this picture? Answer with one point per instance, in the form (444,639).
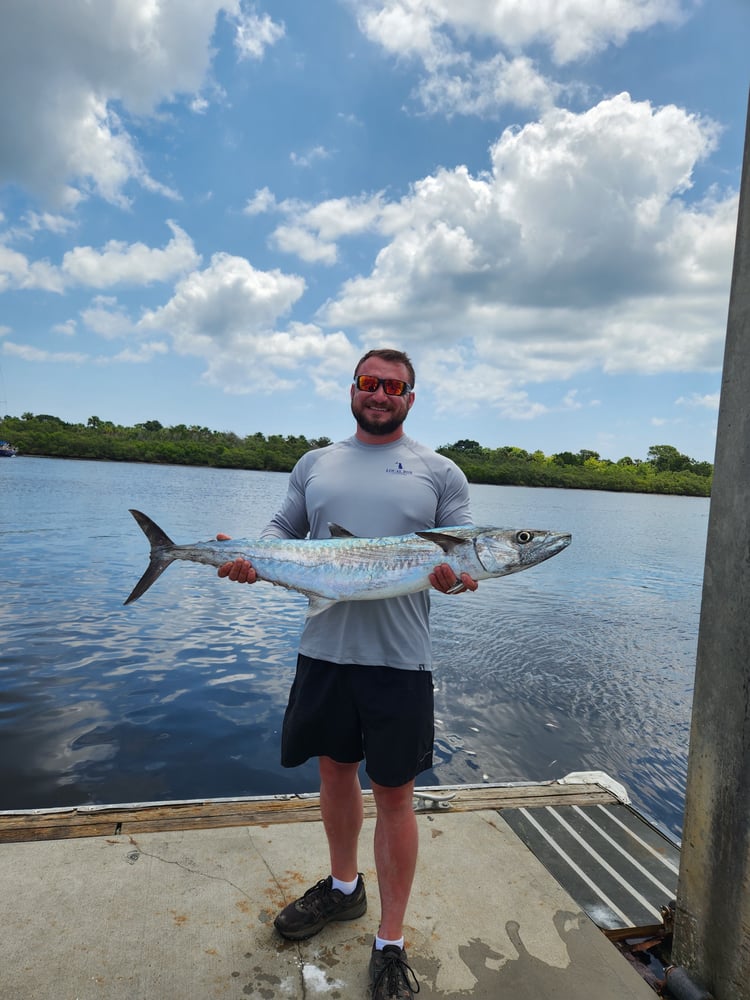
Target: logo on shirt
(398,470)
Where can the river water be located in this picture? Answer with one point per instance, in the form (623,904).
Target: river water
(584,662)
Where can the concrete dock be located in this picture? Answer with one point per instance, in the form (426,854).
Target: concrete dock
(188,913)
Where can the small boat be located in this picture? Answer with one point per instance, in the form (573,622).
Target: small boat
(7,450)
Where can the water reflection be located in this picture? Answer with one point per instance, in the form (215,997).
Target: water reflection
(583,662)
(586,662)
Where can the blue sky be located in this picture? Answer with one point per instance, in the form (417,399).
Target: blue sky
(210,208)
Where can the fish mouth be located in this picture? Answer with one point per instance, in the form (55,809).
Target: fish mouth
(542,545)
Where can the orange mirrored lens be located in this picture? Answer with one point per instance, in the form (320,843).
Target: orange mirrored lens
(391,386)
(394,386)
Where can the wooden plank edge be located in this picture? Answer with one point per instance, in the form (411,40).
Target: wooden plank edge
(108,821)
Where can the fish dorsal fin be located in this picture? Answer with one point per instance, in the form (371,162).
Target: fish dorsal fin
(338,532)
(446,542)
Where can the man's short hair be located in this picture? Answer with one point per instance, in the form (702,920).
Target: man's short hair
(392,355)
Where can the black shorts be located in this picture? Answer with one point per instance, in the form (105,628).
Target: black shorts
(350,712)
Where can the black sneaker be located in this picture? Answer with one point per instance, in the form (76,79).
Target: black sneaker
(319,906)
(390,974)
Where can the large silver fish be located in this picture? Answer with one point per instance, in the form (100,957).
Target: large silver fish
(348,568)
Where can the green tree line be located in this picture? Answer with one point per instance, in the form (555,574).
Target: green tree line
(46,435)
(664,470)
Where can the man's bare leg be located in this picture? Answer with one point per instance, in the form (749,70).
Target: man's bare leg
(341,808)
(342,812)
(396,845)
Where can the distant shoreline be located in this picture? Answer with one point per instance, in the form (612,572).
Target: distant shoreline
(665,470)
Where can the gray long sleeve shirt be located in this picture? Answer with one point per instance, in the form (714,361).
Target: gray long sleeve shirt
(372,490)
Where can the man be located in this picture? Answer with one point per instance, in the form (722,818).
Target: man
(363,687)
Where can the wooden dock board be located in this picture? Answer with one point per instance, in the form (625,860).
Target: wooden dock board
(96,821)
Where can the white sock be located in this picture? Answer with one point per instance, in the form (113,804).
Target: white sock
(380,943)
(346,887)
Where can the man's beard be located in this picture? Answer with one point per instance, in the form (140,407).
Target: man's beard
(378,427)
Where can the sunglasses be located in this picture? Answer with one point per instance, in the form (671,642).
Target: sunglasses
(391,386)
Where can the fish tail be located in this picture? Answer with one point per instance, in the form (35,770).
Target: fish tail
(160,558)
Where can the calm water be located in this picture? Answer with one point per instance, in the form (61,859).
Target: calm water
(585,662)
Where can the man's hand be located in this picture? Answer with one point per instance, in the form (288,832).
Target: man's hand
(444,579)
(239,571)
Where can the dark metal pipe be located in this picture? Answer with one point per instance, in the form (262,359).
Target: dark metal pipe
(682,987)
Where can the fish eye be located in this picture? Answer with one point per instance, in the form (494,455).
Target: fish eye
(522,537)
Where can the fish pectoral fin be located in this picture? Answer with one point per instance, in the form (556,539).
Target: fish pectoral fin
(446,542)
(318,604)
(338,532)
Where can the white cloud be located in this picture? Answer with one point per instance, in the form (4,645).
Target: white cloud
(139,355)
(310,231)
(255,34)
(107,318)
(571,400)
(101,150)
(67,329)
(580,245)
(708,401)
(262,201)
(486,85)
(304,244)
(17,271)
(444,35)
(310,157)
(78,71)
(580,210)
(49,222)
(405,27)
(134,263)
(337,217)
(199,105)
(228,315)
(269,363)
(571,29)
(228,299)
(578,250)
(118,263)
(26,352)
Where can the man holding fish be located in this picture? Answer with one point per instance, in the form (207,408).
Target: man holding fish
(363,687)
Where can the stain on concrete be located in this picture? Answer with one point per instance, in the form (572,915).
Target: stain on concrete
(514,971)
(263,985)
